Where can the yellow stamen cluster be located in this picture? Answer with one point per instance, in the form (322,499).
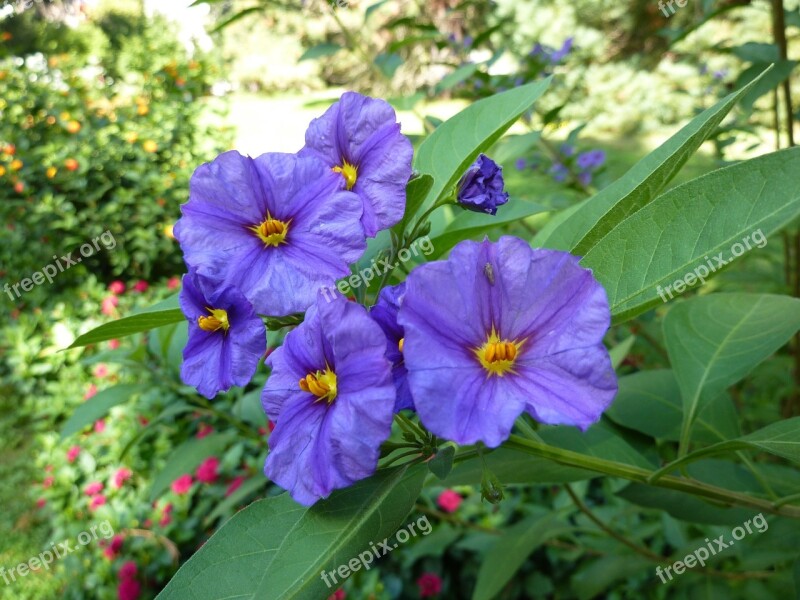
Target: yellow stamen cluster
(217,320)
(400,344)
(349,172)
(498,356)
(321,384)
(272,231)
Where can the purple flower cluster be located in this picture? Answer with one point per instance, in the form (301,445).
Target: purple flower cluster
(470,343)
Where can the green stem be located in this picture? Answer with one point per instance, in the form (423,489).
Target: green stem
(615,469)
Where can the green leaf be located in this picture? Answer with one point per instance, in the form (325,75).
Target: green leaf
(619,352)
(186,458)
(683,506)
(598,441)
(511,551)
(599,214)
(388,63)
(514,146)
(451,80)
(781,71)
(470,224)
(98,406)
(515,468)
(249,487)
(714,341)
(442,463)
(453,146)
(320,50)
(129,325)
(650,402)
(277,549)
(672,236)
(416,191)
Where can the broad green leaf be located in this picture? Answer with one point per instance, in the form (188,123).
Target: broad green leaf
(650,402)
(619,352)
(320,50)
(689,226)
(683,506)
(598,215)
(450,80)
(186,458)
(515,468)
(447,152)
(98,406)
(514,146)
(276,549)
(714,341)
(511,551)
(416,191)
(597,441)
(442,463)
(781,71)
(470,224)
(125,326)
(249,487)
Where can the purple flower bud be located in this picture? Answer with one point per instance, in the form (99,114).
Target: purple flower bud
(559,172)
(520,164)
(481,187)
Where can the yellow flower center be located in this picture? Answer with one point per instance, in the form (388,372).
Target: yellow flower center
(272,231)
(400,344)
(349,172)
(218,320)
(321,384)
(498,356)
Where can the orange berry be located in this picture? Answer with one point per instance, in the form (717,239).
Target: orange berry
(10,149)
(150,146)
(142,110)
(73,126)
(71,164)
(19,187)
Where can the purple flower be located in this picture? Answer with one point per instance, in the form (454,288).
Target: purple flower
(567,149)
(585,178)
(226,337)
(468,41)
(481,187)
(359,138)
(559,172)
(591,159)
(385,314)
(520,164)
(559,55)
(500,329)
(332,398)
(277,227)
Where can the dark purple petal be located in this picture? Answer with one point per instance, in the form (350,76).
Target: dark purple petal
(480,189)
(385,314)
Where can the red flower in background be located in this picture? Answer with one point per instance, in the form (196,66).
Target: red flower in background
(128,589)
(182,484)
(204,430)
(90,392)
(120,477)
(116,287)
(207,471)
(113,344)
(72,453)
(93,488)
(173,283)
(97,501)
(430,584)
(449,501)
(129,570)
(48,482)
(141,286)
(109,305)
(99,426)
(100,371)
(234,485)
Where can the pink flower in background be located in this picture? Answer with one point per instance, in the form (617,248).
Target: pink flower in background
(338,595)
(99,426)
(116,287)
(109,305)
(100,371)
(97,501)
(128,589)
(204,430)
(141,286)
(90,392)
(72,453)
(40,503)
(207,471)
(120,477)
(449,501)
(173,283)
(93,488)
(430,584)
(182,484)
(129,570)
(113,344)
(143,421)
(48,469)
(48,482)
(234,485)
(114,547)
